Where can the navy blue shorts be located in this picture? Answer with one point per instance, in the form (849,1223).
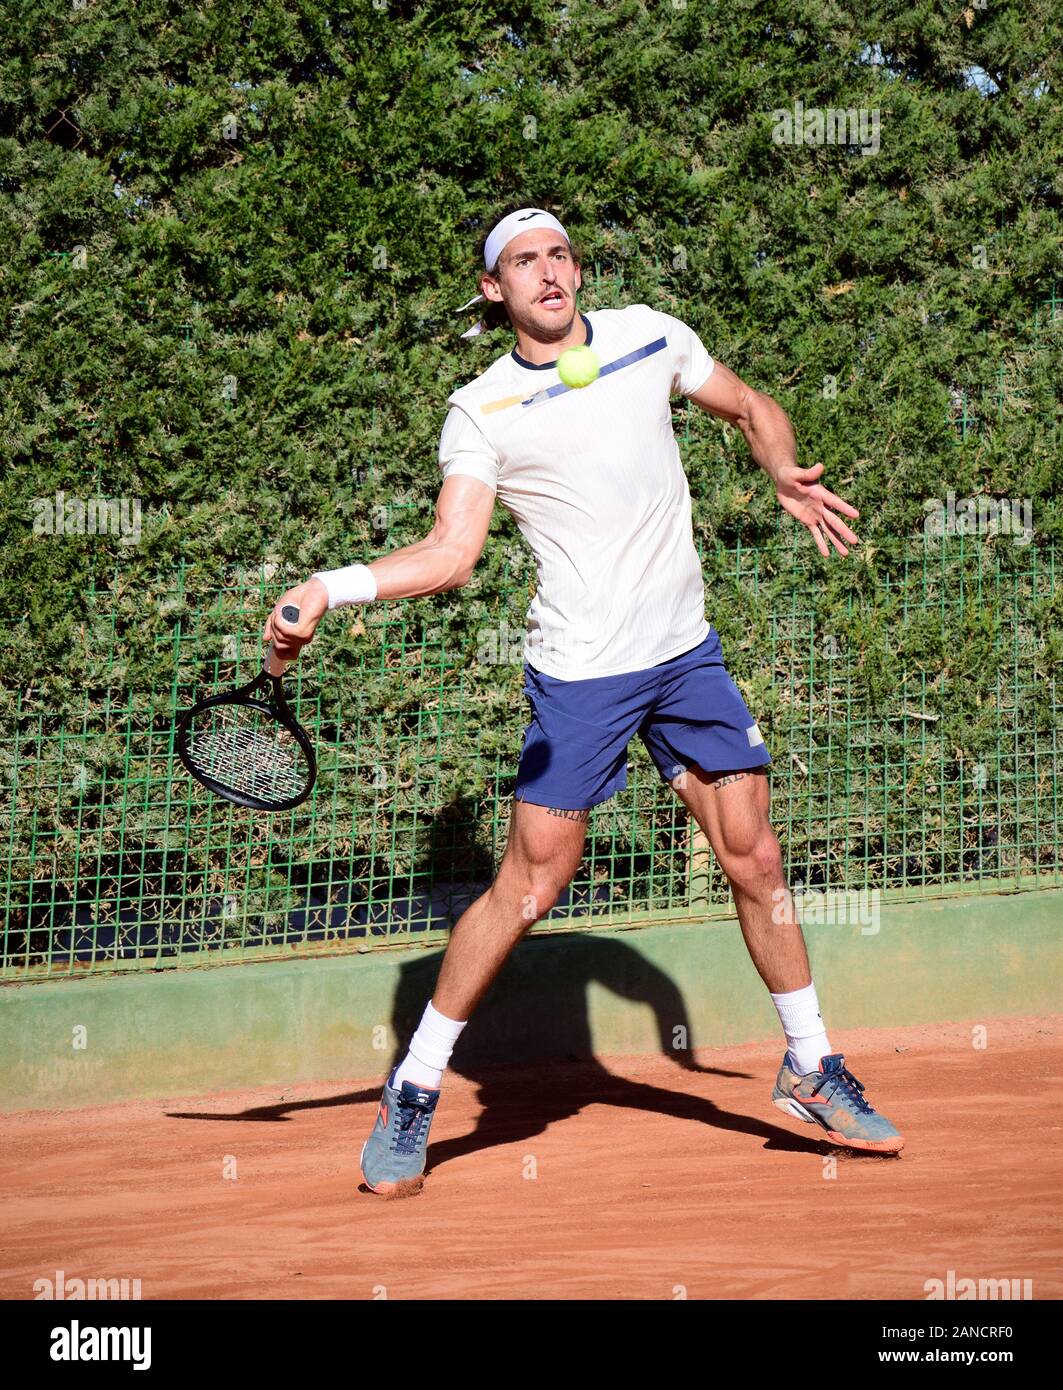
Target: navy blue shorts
(686,710)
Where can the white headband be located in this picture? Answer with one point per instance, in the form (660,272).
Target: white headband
(523,220)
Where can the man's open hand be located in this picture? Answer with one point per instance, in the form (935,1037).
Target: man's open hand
(815,507)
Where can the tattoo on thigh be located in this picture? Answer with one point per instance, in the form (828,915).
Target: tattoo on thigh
(566,814)
(731,777)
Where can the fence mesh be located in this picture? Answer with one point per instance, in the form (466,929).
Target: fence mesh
(914,729)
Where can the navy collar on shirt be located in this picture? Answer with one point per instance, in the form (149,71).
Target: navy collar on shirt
(545,366)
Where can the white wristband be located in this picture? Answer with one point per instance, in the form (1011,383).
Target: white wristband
(353,584)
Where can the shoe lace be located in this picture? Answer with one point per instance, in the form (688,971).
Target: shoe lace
(845,1082)
(411,1117)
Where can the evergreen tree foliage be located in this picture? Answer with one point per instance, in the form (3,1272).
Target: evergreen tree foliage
(232,238)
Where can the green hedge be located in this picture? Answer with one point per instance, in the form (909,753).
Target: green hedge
(256,340)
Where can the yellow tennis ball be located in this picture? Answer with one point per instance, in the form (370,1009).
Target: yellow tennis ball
(578,366)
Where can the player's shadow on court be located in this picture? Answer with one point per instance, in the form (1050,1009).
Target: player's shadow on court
(529,1046)
(530,1050)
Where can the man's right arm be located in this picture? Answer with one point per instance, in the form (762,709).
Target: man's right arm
(444,560)
(447,556)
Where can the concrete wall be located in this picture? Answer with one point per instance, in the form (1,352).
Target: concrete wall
(572,994)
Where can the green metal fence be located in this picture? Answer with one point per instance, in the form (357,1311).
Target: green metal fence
(908,698)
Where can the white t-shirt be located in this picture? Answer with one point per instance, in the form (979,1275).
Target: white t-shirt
(595,483)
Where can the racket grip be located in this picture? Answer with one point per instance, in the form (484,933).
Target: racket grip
(271,664)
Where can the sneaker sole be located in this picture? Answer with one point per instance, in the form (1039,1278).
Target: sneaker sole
(883,1146)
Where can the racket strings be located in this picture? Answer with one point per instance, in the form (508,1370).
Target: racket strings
(249,752)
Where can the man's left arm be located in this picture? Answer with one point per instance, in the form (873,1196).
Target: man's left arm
(766,427)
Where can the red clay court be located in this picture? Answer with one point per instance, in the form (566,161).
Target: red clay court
(650,1180)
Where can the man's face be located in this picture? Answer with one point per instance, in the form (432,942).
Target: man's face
(537,281)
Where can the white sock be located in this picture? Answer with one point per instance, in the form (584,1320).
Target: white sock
(802,1022)
(430,1049)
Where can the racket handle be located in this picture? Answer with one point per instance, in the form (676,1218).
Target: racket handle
(271,664)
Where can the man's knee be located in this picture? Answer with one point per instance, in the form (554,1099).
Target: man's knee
(528,890)
(541,893)
(755,860)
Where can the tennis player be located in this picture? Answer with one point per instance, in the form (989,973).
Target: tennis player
(617,644)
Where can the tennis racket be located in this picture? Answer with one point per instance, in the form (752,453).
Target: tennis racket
(246,745)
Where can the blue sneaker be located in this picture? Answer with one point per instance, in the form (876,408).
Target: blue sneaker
(832,1097)
(393,1157)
